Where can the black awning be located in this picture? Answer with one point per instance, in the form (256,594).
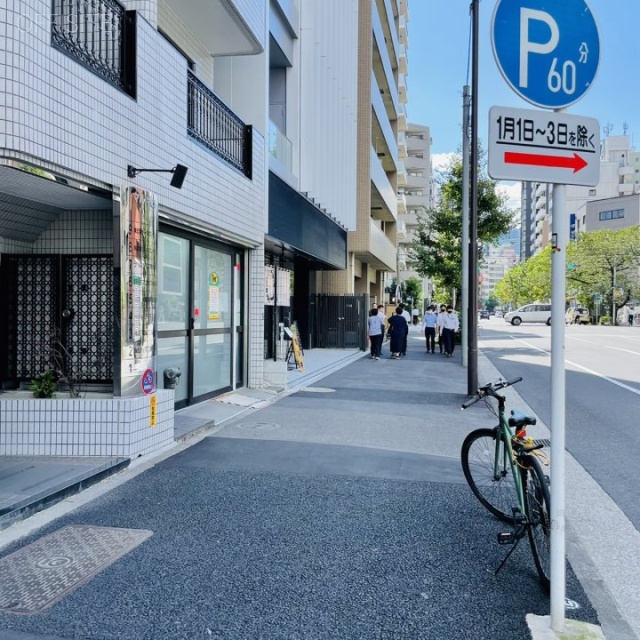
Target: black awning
(302,226)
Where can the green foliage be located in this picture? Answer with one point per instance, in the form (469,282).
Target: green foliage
(527,282)
(412,288)
(603,262)
(436,251)
(491,303)
(606,263)
(45,384)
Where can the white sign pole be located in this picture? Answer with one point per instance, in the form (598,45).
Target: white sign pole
(560,224)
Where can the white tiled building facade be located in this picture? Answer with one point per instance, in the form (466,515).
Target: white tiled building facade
(138,272)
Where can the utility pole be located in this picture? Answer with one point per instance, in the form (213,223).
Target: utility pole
(466,106)
(472,316)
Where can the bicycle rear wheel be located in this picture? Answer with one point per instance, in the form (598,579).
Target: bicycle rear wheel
(538,511)
(486,466)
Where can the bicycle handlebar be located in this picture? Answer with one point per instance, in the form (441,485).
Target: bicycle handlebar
(490,389)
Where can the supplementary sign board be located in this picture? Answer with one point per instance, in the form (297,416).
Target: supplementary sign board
(547,50)
(543,146)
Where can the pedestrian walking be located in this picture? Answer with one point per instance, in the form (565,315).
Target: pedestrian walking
(398,329)
(415,315)
(407,317)
(376,333)
(429,322)
(450,326)
(440,321)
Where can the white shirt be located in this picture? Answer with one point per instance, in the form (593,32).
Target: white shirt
(406,316)
(450,321)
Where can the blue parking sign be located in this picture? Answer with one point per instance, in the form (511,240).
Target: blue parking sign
(548,51)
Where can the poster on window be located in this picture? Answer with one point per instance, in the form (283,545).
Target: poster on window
(213,307)
(138,249)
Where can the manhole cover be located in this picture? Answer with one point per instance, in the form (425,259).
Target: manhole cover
(318,390)
(258,426)
(42,573)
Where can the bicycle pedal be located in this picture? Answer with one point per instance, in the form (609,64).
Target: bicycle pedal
(508,537)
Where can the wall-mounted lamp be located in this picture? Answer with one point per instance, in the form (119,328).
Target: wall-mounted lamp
(179,172)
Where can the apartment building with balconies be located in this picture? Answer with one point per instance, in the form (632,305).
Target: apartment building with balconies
(418,195)
(133,202)
(381,119)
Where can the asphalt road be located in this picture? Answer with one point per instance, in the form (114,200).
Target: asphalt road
(338,512)
(602,394)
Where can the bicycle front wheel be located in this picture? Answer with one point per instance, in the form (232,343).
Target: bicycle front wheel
(538,505)
(486,466)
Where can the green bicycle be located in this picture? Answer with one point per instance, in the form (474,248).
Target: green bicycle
(503,469)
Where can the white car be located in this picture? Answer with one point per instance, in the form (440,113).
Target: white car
(530,313)
(499,314)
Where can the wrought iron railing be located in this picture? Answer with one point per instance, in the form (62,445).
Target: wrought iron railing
(215,126)
(99,34)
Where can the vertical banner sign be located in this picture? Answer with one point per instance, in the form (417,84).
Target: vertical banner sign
(138,250)
(270,285)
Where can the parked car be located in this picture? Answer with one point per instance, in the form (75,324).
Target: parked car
(530,313)
(577,315)
(499,314)
(484,314)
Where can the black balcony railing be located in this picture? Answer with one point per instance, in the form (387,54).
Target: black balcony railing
(100,35)
(215,126)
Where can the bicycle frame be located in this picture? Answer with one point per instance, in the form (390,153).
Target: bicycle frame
(503,441)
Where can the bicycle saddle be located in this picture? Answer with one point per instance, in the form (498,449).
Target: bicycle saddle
(519,419)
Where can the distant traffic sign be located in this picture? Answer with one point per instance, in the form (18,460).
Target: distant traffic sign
(548,51)
(539,146)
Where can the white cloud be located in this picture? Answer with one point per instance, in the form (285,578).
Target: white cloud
(513,192)
(441,161)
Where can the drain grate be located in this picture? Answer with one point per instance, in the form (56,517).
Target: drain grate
(42,573)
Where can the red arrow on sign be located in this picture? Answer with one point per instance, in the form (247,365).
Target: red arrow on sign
(562,162)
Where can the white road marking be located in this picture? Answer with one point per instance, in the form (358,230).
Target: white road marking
(579,366)
(606,346)
(637,353)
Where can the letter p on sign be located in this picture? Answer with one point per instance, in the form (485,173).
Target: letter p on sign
(527,46)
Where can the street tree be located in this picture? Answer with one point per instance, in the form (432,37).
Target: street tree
(436,251)
(491,303)
(605,263)
(527,282)
(412,290)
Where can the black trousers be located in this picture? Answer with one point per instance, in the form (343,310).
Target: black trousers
(448,336)
(430,337)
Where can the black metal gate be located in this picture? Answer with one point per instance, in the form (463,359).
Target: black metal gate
(66,298)
(340,322)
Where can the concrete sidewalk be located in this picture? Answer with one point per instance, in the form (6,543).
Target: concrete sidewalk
(29,484)
(367,455)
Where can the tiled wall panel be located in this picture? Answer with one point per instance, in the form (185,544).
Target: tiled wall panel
(62,115)
(118,427)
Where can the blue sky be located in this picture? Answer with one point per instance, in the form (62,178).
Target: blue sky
(438,60)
